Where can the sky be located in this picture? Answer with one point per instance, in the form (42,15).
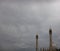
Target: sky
(20,20)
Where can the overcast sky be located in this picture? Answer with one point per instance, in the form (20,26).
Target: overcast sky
(20,20)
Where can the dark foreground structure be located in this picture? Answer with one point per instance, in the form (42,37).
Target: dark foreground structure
(51,46)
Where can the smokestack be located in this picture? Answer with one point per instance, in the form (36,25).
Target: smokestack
(50,34)
(36,42)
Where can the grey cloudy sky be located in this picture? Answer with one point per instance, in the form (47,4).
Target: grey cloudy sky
(20,20)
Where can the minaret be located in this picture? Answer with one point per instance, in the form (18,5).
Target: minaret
(37,42)
(50,34)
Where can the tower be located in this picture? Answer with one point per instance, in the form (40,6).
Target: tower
(50,36)
(36,42)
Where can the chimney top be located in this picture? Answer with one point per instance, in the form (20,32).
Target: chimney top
(50,31)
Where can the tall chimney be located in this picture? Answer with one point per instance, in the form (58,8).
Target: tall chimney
(50,35)
(36,42)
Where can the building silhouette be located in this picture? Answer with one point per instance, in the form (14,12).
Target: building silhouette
(51,47)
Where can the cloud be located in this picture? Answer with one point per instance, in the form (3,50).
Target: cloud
(19,23)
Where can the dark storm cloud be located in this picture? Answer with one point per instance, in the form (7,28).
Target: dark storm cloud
(19,23)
